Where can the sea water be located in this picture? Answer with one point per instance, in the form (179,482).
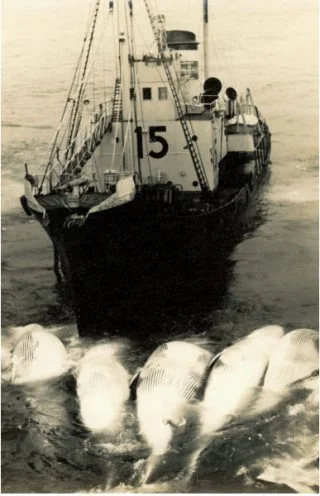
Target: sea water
(271,277)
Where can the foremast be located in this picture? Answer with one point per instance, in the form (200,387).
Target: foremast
(71,149)
(76,115)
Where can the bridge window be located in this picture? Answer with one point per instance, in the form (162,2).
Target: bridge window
(146,93)
(163,93)
(189,70)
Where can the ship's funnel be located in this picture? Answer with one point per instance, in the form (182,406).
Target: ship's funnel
(182,40)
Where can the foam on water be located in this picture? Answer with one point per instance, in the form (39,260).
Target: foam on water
(278,434)
(294,461)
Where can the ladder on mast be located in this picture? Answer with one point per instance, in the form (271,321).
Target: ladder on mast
(185,123)
(117,102)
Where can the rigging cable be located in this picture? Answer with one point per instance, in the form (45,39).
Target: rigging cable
(133,88)
(100,177)
(76,122)
(81,141)
(184,119)
(73,112)
(52,145)
(120,80)
(118,77)
(146,144)
(121,40)
(127,132)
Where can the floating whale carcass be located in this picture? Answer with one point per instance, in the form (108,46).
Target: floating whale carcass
(292,373)
(235,375)
(102,389)
(295,359)
(171,379)
(38,355)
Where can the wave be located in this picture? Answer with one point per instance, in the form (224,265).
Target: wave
(14,124)
(11,192)
(294,193)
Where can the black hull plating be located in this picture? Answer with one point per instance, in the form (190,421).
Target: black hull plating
(130,265)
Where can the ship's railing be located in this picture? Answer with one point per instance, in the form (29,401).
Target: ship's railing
(249,109)
(153,59)
(212,101)
(261,152)
(208,98)
(85,143)
(197,104)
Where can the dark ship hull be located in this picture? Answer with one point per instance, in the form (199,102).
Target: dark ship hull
(130,264)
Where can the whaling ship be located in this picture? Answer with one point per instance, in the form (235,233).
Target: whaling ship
(143,178)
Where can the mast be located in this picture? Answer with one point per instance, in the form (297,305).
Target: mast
(160,36)
(124,55)
(76,119)
(122,41)
(133,77)
(205,38)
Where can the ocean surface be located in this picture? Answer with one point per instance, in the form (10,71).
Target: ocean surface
(271,275)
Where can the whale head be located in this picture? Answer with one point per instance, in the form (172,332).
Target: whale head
(171,379)
(102,389)
(38,355)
